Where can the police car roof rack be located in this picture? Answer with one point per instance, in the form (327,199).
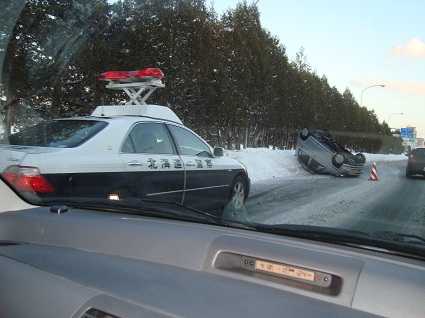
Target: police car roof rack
(134,83)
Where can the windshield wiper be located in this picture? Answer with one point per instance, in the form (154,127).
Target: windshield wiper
(384,241)
(145,207)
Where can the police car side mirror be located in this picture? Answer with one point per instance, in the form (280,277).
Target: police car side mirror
(218,152)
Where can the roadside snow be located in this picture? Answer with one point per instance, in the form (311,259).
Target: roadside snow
(331,206)
(265,164)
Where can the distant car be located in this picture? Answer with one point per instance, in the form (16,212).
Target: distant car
(121,152)
(319,153)
(416,163)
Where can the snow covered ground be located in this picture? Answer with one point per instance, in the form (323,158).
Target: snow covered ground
(265,164)
(278,180)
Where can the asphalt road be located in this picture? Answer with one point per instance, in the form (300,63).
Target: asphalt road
(393,203)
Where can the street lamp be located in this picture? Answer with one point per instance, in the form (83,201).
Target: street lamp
(388,121)
(361,96)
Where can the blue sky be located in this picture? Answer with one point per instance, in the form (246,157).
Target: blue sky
(357,44)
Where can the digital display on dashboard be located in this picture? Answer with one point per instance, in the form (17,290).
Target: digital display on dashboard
(285,270)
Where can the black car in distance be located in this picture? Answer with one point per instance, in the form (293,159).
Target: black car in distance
(416,163)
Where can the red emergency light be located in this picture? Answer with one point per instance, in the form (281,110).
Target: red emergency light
(150,72)
(131,75)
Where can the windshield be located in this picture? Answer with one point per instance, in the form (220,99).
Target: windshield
(59,133)
(296,118)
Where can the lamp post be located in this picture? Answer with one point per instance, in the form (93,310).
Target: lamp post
(388,121)
(361,96)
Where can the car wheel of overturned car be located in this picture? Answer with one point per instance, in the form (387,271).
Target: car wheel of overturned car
(338,159)
(360,158)
(304,133)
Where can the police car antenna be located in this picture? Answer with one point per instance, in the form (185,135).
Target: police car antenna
(134,83)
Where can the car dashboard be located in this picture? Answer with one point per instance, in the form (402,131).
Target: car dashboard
(87,263)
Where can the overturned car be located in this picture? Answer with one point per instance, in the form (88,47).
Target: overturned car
(319,153)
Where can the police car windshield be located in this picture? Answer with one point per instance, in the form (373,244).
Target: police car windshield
(57,133)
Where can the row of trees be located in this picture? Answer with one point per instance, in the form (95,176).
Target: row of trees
(227,77)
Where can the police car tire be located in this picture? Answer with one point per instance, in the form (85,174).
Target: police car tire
(238,192)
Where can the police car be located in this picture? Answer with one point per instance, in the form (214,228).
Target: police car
(123,151)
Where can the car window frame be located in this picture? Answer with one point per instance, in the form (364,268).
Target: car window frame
(171,146)
(207,149)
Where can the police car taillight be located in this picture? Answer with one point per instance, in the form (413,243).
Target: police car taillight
(27,179)
(128,76)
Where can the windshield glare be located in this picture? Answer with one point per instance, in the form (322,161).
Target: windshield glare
(303,144)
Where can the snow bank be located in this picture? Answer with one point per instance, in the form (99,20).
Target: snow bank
(265,164)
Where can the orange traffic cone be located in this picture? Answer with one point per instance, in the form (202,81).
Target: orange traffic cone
(373,175)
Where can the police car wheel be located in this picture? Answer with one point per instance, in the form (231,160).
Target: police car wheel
(238,192)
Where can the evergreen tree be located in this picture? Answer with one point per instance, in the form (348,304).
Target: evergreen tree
(227,78)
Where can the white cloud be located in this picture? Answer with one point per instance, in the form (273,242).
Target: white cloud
(410,88)
(415,48)
(405,87)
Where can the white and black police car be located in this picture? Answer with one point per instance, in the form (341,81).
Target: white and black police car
(123,151)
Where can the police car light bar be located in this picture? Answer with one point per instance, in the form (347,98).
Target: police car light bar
(132,76)
(134,83)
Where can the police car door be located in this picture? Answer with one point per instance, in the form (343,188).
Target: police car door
(153,167)
(205,175)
